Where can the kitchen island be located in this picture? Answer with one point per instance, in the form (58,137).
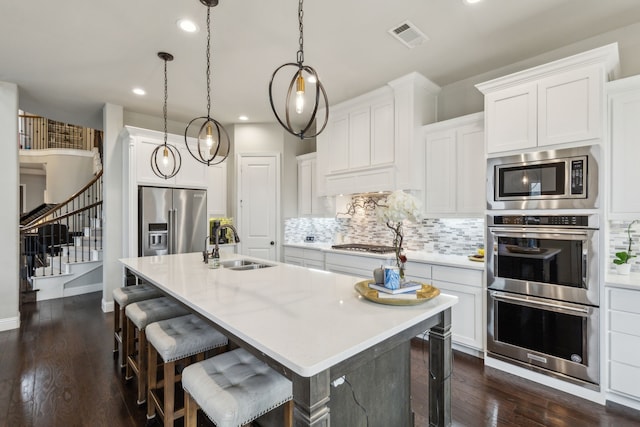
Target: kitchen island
(314,328)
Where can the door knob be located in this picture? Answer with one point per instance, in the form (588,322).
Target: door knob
(272,243)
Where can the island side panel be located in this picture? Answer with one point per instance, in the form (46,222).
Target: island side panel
(311,400)
(440,362)
(382,386)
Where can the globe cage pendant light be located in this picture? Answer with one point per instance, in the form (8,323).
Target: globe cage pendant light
(165,159)
(212,144)
(303,115)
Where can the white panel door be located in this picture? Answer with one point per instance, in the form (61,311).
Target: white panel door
(338,144)
(440,172)
(258,205)
(359,138)
(471,169)
(382,133)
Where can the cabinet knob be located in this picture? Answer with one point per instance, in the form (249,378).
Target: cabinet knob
(272,243)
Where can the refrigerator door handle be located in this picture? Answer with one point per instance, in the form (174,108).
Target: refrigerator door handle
(174,231)
(171,239)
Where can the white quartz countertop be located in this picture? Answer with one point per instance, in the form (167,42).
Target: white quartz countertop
(628,281)
(307,320)
(415,256)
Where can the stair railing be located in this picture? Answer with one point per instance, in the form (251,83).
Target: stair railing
(70,232)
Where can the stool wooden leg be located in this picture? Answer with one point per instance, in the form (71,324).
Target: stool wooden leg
(169,392)
(142,367)
(129,348)
(288,414)
(190,411)
(152,380)
(116,329)
(124,336)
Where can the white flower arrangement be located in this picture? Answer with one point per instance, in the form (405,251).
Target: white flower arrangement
(398,207)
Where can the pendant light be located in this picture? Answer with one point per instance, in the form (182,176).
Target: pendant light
(299,113)
(212,143)
(165,159)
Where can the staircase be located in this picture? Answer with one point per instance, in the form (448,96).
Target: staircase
(61,251)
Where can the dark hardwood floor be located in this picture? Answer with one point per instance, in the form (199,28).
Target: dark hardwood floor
(58,370)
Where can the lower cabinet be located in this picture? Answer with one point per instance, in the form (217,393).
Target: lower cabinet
(467,318)
(623,342)
(354,265)
(310,258)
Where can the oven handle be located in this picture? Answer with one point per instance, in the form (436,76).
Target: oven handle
(582,311)
(540,233)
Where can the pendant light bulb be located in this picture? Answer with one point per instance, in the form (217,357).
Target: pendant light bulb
(300,93)
(165,156)
(209,138)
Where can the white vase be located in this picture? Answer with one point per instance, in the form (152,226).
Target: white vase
(623,268)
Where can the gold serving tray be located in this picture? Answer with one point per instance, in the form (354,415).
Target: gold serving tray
(423,295)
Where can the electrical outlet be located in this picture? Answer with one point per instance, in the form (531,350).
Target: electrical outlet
(310,239)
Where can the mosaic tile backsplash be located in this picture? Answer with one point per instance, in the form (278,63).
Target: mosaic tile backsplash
(619,241)
(445,236)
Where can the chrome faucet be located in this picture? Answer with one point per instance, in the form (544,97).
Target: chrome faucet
(215,253)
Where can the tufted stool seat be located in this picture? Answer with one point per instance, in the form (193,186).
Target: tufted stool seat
(122,297)
(175,340)
(233,389)
(139,315)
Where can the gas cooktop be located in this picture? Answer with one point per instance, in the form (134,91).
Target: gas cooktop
(361,247)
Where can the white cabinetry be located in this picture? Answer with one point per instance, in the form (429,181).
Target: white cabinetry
(556,103)
(217,190)
(455,167)
(309,204)
(354,265)
(372,142)
(467,318)
(192,174)
(623,307)
(624,105)
(304,257)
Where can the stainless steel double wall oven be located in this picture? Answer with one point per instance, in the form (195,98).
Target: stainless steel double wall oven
(542,268)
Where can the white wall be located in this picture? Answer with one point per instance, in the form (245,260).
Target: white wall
(461,98)
(67,171)
(34,190)
(9,214)
(112,270)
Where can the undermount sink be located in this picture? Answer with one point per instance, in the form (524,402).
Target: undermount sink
(243,264)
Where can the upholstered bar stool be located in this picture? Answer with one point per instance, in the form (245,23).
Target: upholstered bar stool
(122,297)
(139,315)
(233,389)
(176,341)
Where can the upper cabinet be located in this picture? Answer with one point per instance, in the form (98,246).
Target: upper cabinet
(455,167)
(370,141)
(624,114)
(217,190)
(309,204)
(142,142)
(557,103)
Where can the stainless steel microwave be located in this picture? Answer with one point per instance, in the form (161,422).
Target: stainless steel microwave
(555,179)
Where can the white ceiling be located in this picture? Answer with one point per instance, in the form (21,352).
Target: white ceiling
(69,57)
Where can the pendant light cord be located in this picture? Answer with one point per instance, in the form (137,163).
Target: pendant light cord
(209,62)
(164,108)
(301,38)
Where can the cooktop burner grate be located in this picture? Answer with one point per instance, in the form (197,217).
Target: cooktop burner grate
(361,247)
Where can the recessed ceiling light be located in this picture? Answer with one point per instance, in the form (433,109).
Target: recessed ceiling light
(472,1)
(243,118)
(139,91)
(187,26)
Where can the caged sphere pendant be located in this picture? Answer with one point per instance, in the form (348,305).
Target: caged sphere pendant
(165,158)
(304,95)
(212,144)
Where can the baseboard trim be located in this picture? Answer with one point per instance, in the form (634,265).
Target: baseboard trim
(9,323)
(84,289)
(107,306)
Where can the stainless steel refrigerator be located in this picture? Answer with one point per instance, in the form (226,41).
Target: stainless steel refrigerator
(171,220)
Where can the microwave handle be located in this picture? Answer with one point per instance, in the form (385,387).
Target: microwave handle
(500,296)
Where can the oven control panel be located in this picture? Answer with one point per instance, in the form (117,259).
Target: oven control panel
(543,220)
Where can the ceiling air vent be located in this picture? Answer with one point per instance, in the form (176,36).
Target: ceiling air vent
(408,34)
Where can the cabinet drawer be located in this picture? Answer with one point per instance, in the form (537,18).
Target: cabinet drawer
(294,252)
(313,255)
(627,323)
(625,379)
(418,270)
(458,275)
(624,300)
(625,349)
